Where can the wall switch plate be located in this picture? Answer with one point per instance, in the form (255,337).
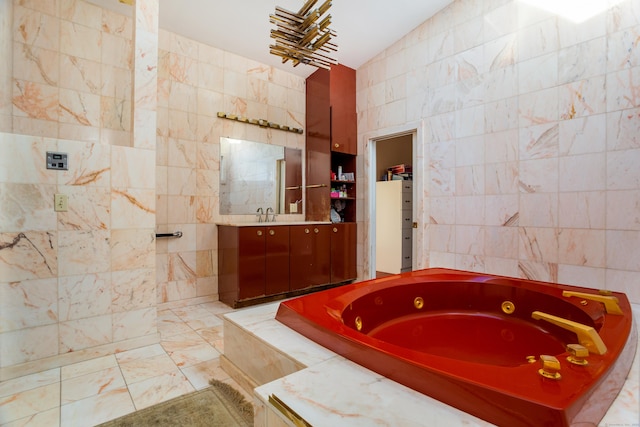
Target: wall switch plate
(293,208)
(60,202)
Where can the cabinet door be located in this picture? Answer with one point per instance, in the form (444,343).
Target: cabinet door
(318,140)
(321,266)
(343,252)
(251,262)
(277,260)
(343,109)
(310,258)
(318,191)
(318,116)
(293,179)
(228,264)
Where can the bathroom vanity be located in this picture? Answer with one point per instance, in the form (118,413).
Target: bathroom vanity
(263,261)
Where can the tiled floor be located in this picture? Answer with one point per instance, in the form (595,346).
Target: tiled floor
(98,390)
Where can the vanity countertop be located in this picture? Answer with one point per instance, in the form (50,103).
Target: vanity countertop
(271,224)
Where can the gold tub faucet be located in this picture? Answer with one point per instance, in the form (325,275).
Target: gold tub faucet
(587,336)
(610,302)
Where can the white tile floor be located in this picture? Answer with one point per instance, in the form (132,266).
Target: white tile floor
(98,390)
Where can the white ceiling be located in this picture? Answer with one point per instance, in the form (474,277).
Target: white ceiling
(364,27)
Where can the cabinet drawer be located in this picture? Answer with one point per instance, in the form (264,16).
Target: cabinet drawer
(407,260)
(407,248)
(407,202)
(407,187)
(406,240)
(407,219)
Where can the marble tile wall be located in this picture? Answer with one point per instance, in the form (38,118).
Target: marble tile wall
(79,283)
(144,157)
(72,63)
(80,279)
(6,73)
(195,82)
(528,127)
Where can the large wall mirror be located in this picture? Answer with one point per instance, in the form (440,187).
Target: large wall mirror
(255,175)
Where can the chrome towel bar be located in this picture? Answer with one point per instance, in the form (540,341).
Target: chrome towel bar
(174,234)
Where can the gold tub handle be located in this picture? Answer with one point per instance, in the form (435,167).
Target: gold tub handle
(610,302)
(550,367)
(587,336)
(577,354)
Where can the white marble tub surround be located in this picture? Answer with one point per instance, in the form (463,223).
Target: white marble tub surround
(259,350)
(260,321)
(334,391)
(338,392)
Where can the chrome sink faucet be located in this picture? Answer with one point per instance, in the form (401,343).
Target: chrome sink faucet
(273,215)
(260,213)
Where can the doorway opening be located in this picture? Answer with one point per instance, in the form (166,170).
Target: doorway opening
(393,189)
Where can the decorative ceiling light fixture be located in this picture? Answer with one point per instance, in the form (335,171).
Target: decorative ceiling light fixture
(304,37)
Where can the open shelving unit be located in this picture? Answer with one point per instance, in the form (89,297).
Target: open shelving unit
(346,189)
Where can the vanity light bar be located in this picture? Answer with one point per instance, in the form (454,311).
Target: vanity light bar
(259,122)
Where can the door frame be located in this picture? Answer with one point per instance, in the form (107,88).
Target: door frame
(415,129)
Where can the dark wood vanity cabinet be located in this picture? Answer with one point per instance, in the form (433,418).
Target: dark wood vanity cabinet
(310,256)
(252,262)
(258,263)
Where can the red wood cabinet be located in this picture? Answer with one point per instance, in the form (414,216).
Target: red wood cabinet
(310,256)
(343,252)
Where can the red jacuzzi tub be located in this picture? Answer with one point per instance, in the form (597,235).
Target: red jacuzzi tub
(492,346)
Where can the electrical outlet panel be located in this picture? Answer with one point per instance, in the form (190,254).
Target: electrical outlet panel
(57,161)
